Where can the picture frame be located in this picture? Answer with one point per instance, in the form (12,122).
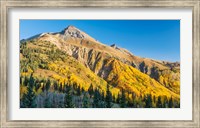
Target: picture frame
(6,5)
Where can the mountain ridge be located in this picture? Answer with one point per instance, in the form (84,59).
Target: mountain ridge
(73,29)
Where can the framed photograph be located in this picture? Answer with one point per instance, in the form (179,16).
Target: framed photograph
(100,63)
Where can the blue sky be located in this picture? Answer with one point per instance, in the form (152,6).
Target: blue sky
(156,39)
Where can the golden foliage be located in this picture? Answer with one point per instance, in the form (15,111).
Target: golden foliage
(131,79)
(70,71)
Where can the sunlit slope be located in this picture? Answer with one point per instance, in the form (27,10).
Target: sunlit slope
(131,79)
(92,54)
(47,60)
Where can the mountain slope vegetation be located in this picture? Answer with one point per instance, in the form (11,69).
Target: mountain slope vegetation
(72,69)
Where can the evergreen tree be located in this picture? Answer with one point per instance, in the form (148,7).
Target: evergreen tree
(26,80)
(21,80)
(102,96)
(74,87)
(82,90)
(113,99)
(133,100)
(78,90)
(68,103)
(176,104)
(148,101)
(159,102)
(154,99)
(123,99)
(91,90)
(108,97)
(37,86)
(60,88)
(96,99)
(171,104)
(28,99)
(31,81)
(86,102)
(129,103)
(165,102)
(55,86)
(48,85)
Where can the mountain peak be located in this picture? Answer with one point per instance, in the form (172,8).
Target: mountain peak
(70,27)
(72,31)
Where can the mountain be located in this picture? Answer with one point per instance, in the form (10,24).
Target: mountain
(73,57)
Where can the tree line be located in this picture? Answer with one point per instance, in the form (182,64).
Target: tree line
(48,93)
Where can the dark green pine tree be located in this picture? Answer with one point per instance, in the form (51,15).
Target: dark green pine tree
(28,99)
(159,102)
(26,80)
(91,90)
(86,103)
(148,101)
(134,103)
(154,99)
(123,99)
(113,99)
(68,103)
(82,90)
(48,85)
(134,100)
(78,90)
(165,102)
(108,97)
(60,88)
(171,104)
(31,81)
(37,85)
(21,80)
(55,85)
(129,103)
(176,104)
(102,96)
(97,100)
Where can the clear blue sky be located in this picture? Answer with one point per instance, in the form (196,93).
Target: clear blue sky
(156,39)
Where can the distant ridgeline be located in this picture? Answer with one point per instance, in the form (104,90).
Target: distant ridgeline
(70,69)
